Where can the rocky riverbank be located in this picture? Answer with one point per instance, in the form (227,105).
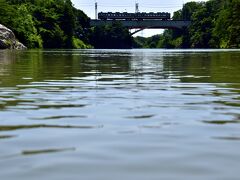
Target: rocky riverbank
(8,39)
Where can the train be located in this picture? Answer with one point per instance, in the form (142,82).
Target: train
(134,16)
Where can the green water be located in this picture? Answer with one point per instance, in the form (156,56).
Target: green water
(129,114)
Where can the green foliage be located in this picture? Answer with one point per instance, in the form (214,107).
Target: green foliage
(79,44)
(57,24)
(149,42)
(215,24)
(139,42)
(5,12)
(24,27)
(45,23)
(158,41)
(227,26)
(82,26)
(111,37)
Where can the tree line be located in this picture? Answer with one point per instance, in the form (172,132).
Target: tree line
(215,24)
(58,24)
(46,23)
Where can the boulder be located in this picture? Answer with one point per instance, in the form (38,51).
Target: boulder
(8,39)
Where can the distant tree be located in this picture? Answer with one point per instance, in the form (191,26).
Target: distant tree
(67,21)
(6,12)
(227,26)
(111,37)
(82,26)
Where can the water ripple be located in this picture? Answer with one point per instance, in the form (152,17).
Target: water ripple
(45,151)
(228,138)
(143,114)
(58,117)
(222,122)
(17,127)
(6,136)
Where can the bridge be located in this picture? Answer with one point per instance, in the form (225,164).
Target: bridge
(144,24)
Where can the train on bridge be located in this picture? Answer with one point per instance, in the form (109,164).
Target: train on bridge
(134,16)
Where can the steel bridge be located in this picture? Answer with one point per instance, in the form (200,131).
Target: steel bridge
(145,24)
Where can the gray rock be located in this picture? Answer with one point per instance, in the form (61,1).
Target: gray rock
(8,39)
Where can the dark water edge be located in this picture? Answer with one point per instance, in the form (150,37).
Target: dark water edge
(123,114)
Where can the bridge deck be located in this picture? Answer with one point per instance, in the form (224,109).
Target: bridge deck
(149,24)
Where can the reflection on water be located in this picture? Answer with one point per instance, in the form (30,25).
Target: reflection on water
(131,114)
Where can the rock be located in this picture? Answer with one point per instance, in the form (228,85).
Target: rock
(8,39)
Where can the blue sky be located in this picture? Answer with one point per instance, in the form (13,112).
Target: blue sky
(129,5)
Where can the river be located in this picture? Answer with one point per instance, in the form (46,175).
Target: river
(120,114)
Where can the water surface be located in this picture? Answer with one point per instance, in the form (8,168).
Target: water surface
(129,114)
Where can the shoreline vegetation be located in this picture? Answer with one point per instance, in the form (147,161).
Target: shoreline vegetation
(46,23)
(58,24)
(215,24)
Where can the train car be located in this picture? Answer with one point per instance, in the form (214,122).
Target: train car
(133,16)
(116,15)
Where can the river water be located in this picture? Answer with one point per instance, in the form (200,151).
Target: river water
(120,114)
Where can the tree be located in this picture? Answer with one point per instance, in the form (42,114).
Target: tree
(111,37)
(24,27)
(45,23)
(6,12)
(227,26)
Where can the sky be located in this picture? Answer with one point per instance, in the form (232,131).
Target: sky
(129,6)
